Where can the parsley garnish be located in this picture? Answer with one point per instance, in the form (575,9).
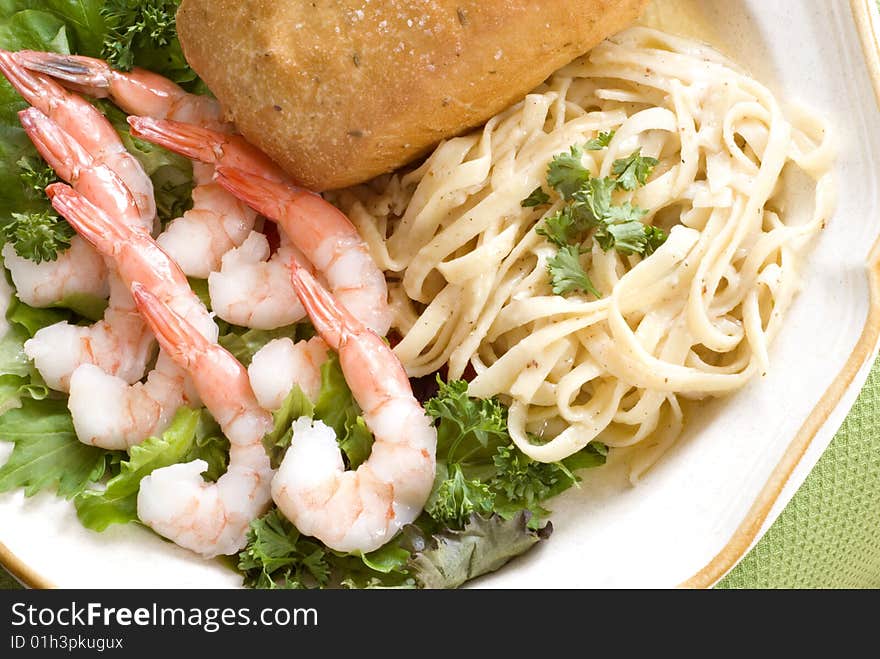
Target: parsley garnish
(633,171)
(561,228)
(599,142)
(466,425)
(591,208)
(566,173)
(38,237)
(458,498)
(537,198)
(137,24)
(36,176)
(524,481)
(567,275)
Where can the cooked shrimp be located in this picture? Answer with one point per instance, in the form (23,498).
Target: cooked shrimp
(142,409)
(73,162)
(78,271)
(357,510)
(88,128)
(252,289)
(127,413)
(208,518)
(317,228)
(218,221)
(136,92)
(120,344)
(280,364)
(136,255)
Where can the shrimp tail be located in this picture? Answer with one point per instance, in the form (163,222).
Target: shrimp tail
(25,83)
(257,192)
(176,336)
(88,220)
(55,145)
(205,145)
(331,319)
(87,73)
(194,142)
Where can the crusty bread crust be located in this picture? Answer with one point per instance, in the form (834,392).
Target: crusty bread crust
(339,91)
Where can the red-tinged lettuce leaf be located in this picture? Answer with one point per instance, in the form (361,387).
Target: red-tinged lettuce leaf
(47,453)
(450,558)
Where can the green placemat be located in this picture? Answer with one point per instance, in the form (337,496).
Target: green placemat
(829,534)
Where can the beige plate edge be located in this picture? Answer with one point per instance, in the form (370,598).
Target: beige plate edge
(748,530)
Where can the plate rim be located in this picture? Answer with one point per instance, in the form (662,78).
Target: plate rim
(868,26)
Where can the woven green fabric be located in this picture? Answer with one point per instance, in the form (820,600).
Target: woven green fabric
(7,582)
(829,534)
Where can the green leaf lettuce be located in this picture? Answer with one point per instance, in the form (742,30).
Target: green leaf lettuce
(192,435)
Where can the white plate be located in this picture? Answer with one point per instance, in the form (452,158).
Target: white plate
(698,511)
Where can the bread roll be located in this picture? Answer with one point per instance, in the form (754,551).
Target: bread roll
(339,91)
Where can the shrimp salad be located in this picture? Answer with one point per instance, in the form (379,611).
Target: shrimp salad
(195,343)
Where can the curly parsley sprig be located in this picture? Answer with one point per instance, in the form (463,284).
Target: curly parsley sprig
(591,210)
(137,24)
(38,236)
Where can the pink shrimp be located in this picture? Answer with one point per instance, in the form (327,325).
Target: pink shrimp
(218,221)
(208,518)
(357,510)
(86,126)
(132,412)
(136,92)
(317,228)
(119,344)
(75,164)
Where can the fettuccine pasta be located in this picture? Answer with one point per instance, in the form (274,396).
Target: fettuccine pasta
(468,272)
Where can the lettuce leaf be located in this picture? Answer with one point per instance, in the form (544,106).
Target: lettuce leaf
(337,408)
(278,556)
(192,435)
(450,558)
(47,453)
(294,406)
(18,377)
(15,371)
(82,19)
(32,319)
(13,361)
